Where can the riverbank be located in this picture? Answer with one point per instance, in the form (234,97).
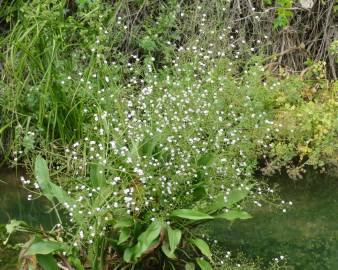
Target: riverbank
(139,121)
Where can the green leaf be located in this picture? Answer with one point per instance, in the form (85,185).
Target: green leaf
(217,204)
(203,247)
(124,235)
(189,266)
(146,240)
(76,263)
(42,176)
(203,264)
(49,189)
(128,254)
(44,247)
(199,192)
(28,143)
(81,3)
(97,176)
(14,226)
(166,250)
(206,160)
(236,196)
(151,233)
(174,237)
(234,214)
(133,154)
(47,262)
(148,146)
(190,214)
(124,222)
(147,44)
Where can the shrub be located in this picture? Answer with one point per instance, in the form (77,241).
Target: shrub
(145,145)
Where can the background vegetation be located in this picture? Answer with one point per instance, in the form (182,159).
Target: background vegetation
(153,117)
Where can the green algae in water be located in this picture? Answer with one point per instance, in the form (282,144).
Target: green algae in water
(307,234)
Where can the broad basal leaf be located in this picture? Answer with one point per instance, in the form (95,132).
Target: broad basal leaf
(206,160)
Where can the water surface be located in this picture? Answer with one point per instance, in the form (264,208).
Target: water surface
(306,234)
(15,205)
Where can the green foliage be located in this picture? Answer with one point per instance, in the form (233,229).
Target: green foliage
(283,13)
(174,238)
(204,265)
(190,214)
(12,227)
(47,262)
(43,247)
(234,214)
(152,124)
(203,247)
(49,189)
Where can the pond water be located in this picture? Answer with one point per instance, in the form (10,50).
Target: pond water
(14,205)
(306,234)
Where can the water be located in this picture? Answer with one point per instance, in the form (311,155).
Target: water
(14,205)
(307,234)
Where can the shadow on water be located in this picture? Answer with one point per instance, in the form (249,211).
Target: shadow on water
(15,205)
(307,234)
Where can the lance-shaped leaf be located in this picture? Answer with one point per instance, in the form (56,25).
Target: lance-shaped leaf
(190,214)
(97,176)
(47,262)
(174,237)
(124,235)
(146,241)
(124,222)
(49,189)
(203,264)
(44,247)
(189,266)
(202,246)
(234,214)
(234,196)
